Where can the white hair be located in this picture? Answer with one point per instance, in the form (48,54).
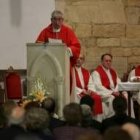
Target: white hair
(86,110)
(56,13)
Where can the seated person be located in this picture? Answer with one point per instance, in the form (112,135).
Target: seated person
(105,81)
(37,122)
(87,119)
(49,105)
(116,133)
(134,76)
(120,117)
(133,130)
(73,117)
(15,121)
(80,89)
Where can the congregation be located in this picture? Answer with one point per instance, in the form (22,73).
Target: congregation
(97,110)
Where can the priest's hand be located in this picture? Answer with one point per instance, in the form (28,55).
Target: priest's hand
(84,91)
(115,94)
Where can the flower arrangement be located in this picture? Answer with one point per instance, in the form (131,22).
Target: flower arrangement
(38,90)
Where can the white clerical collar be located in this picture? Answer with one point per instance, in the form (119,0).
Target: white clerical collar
(56,30)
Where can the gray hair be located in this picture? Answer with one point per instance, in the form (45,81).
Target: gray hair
(56,13)
(36,118)
(86,110)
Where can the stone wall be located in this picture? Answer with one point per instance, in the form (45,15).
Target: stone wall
(106,26)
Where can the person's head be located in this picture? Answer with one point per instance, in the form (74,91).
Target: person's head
(17,116)
(32,104)
(49,105)
(133,130)
(90,136)
(8,106)
(86,110)
(87,100)
(81,58)
(120,105)
(86,115)
(36,119)
(11,69)
(106,60)
(72,114)
(57,19)
(116,133)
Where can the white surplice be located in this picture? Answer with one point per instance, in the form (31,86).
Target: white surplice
(106,94)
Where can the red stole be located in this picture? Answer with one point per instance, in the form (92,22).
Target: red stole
(86,76)
(104,78)
(137,71)
(97,109)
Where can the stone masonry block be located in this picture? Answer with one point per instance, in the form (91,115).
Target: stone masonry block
(134,2)
(83,30)
(126,42)
(111,30)
(133,31)
(133,15)
(121,52)
(108,42)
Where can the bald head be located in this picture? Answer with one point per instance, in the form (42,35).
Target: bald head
(17,115)
(133,130)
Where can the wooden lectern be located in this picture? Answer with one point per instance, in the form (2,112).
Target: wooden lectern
(50,61)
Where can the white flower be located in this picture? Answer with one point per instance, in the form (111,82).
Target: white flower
(38,90)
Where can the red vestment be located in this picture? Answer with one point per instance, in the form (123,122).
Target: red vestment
(97,99)
(104,78)
(66,35)
(137,71)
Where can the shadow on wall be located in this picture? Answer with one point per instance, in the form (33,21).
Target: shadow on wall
(15,12)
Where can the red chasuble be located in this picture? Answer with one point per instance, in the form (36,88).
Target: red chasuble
(104,78)
(137,71)
(66,35)
(97,99)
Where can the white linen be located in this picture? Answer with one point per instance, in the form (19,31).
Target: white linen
(131,77)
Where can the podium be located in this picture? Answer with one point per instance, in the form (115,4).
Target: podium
(129,87)
(52,63)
